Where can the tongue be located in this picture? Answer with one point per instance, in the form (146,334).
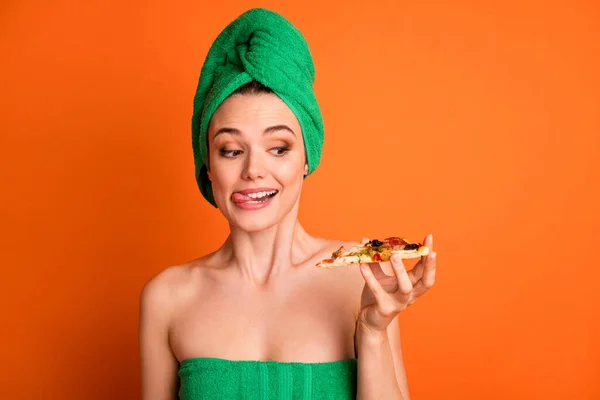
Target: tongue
(241,198)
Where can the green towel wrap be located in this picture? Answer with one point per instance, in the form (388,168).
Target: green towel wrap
(259,45)
(215,378)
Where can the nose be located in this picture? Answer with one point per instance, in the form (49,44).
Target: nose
(255,167)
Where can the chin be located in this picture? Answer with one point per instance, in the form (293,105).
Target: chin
(254,221)
(261,219)
(253,225)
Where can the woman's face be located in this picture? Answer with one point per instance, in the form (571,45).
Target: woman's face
(256,160)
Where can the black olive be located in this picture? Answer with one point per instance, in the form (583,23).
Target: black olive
(376,243)
(412,246)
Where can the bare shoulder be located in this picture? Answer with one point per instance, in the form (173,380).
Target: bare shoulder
(163,282)
(168,288)
(157,294)
(159,300)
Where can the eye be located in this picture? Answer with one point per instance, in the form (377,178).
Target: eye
(229,153)
(280,151)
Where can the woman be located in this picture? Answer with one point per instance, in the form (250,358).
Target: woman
(255,319)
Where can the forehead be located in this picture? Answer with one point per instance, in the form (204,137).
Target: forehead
(253,111)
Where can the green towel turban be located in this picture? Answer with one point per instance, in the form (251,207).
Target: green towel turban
(259,45)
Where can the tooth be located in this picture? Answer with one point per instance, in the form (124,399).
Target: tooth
(258,195)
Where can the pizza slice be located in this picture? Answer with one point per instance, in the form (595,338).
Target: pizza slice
(374,251)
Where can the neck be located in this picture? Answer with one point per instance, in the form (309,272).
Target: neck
(263,255)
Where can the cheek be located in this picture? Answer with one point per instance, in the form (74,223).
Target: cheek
(291,167)
(289,173)
(222,176)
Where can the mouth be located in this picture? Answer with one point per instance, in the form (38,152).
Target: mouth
(255,197)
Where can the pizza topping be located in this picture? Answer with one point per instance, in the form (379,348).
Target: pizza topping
(386,254)
(375,243)
(338,253)
(374,251)
(394,241)
(412,246)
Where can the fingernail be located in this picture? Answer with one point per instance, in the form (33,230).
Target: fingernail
(396,259)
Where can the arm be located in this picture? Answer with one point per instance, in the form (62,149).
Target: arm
(381,373)
(396,347)
(158,364)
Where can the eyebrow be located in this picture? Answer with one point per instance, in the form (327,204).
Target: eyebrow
(269,130)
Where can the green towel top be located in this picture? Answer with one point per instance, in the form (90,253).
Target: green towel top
(216,378)
(259,45)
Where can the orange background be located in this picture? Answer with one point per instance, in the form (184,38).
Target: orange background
(478,123)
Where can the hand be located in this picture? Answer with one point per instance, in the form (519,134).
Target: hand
(385,295)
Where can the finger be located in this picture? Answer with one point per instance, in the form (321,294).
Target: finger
(386,304)
(378,291)
(428,278)
(364,240)
(405,286)
(379,270)
(428,241)
(416,272)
